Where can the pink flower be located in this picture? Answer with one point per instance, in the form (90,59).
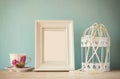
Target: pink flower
(23,59)
(14,62)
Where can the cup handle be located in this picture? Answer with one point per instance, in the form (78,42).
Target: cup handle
(30,59)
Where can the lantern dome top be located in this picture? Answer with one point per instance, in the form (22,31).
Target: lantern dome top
(96,30)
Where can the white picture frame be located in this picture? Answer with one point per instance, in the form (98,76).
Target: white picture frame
(54,45)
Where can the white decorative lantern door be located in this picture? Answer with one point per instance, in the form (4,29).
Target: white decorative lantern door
(95,48)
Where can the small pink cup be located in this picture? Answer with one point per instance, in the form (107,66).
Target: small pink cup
(18,60)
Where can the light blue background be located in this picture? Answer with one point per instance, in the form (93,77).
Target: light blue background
(17,24)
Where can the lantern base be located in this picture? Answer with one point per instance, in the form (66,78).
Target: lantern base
(96,67)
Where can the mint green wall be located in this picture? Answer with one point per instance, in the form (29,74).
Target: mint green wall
(17,24)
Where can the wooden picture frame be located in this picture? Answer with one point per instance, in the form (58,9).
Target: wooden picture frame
(54,45)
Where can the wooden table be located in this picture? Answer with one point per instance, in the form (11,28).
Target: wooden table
(4,74)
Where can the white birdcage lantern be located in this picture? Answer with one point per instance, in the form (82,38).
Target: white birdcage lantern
(95,48)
